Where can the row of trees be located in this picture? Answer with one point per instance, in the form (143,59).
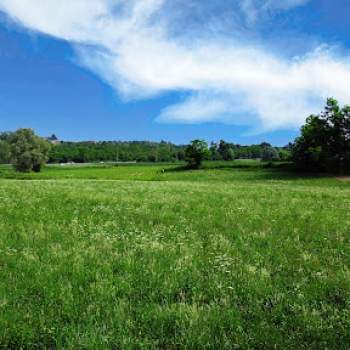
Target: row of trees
(140,151)
(230,151)
(143,151)
(198,151)
(324,145)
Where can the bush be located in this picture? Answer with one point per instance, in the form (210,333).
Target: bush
(28,151)
(269,154)
(195,153)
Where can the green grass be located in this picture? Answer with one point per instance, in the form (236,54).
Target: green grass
(241,171)
(233,256)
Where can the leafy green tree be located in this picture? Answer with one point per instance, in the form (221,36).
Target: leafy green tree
(29,152)
(5,152)
(324,143)
(213,152)
(269,154)
(226,151)
(195,153)
(181,155)
(284,154)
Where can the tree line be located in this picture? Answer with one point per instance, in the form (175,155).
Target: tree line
(323,145)
(140,151)
(119,151)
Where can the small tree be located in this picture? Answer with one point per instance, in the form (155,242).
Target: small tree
(284,154)
(226,151)
(213,152)
(5,152)
(28,151)
(269,154)
(195,153)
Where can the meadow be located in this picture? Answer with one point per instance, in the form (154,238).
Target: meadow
(232,256)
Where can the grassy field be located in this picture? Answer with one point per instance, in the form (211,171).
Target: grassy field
(233,256)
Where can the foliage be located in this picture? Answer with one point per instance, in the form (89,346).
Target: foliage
(141,151)
(324,144)
(144,151)
(213,152)
(269,154)
(195,153)
(247,259)
(284,154)
(226,151)
(28,151)
(5,152)
(229,151)
(5,136)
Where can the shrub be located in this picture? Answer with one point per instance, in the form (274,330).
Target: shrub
(29,152)
(269,154)
(195,153)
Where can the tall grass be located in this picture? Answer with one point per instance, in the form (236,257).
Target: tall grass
(220,258)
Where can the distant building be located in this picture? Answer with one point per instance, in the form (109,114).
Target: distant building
(53,139)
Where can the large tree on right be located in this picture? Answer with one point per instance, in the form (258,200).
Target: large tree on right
(324,143)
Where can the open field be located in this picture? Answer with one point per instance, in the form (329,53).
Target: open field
(234,256)
(218,172)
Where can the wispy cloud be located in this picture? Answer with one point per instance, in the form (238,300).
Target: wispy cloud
(255,9)
(131,45)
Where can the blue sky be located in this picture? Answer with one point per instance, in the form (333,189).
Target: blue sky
(246,71)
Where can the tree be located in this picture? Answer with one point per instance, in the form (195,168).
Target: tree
(324,143)
(28,151)
(5,152)
(284,154)
(226,151)
(195,153)
(213,152)
(269,154)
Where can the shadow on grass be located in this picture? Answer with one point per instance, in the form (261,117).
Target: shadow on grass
(180,169)
(259,170)
(230,165)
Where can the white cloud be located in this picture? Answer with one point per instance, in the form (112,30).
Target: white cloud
(283,5)
(129,44)
(255,9)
